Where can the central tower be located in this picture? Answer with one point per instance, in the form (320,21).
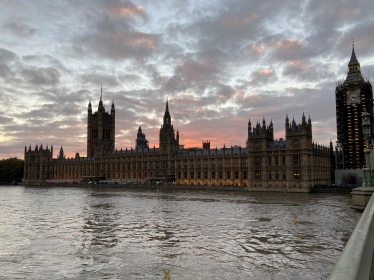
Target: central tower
(168,142)
(100,130)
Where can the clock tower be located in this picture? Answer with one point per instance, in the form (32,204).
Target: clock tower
(353,96)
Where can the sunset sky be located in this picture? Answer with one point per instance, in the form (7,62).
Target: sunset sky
(219,62)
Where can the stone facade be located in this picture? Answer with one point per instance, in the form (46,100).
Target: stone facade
(292,164)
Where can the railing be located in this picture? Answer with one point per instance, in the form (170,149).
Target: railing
(357,259)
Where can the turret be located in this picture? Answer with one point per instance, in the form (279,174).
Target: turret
(249,128)
(287,123)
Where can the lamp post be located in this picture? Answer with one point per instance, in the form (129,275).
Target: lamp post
(366,129)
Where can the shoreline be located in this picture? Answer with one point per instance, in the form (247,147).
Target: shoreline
(318,189)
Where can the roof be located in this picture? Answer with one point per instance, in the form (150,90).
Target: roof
(354,77)
(353,60)
(236,150)
(276,144)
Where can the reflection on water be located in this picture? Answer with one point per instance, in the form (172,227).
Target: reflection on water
(79,233)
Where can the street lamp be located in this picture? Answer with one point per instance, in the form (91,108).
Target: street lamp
(366,130)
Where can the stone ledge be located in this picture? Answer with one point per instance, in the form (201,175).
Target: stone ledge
(361,197)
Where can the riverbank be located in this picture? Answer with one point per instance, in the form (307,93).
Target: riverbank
(317,189)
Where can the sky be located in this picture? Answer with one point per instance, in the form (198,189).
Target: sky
(220,63)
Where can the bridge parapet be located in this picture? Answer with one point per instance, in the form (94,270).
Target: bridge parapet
(357,259)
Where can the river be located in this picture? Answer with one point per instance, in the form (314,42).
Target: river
(109,233)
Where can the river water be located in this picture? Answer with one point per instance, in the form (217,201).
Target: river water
(101,233)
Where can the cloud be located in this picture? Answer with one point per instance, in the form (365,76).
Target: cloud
(219,63)
(116,39)
(126,9)
(304,70)
(289,49)
(16,27)
(8,56)
(5,71)
(41,76)
(44,60)
(263,76)
(253,51)
(96,79)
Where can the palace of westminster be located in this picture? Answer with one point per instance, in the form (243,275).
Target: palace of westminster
(293,164)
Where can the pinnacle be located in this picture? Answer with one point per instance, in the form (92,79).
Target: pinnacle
(353,60)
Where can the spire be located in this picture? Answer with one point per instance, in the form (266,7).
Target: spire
(167,118)
(101,106)
(353,60)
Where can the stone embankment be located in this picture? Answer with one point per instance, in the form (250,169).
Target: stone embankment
(178,187)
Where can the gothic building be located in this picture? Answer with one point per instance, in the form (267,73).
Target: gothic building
(100,130)
(354,95)
(293,164)
(141,142)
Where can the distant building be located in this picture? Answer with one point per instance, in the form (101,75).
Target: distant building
(292,164)
(353,96)
(141,142)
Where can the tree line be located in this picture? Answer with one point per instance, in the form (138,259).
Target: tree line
(11,169)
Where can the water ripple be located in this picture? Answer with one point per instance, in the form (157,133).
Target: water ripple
(77,233)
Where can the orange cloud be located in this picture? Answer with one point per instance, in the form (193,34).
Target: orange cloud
(128,10)
(136,38)
(265,72)
(299,65)
(289,43)
(258,48)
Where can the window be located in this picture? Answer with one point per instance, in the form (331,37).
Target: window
(296,160)
(296,175)
(276,160)
(185,175)
(269,175)
(245,176)
(221,175)
(257,161)
(257,175)
(276,175)
(206,175)
(213,175)
(179,175)
(192,175)
(296,143)
(228,175)
(284,175)
(198,175)
(283,160)
(269,159)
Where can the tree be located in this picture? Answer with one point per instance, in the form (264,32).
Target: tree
(11,169)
